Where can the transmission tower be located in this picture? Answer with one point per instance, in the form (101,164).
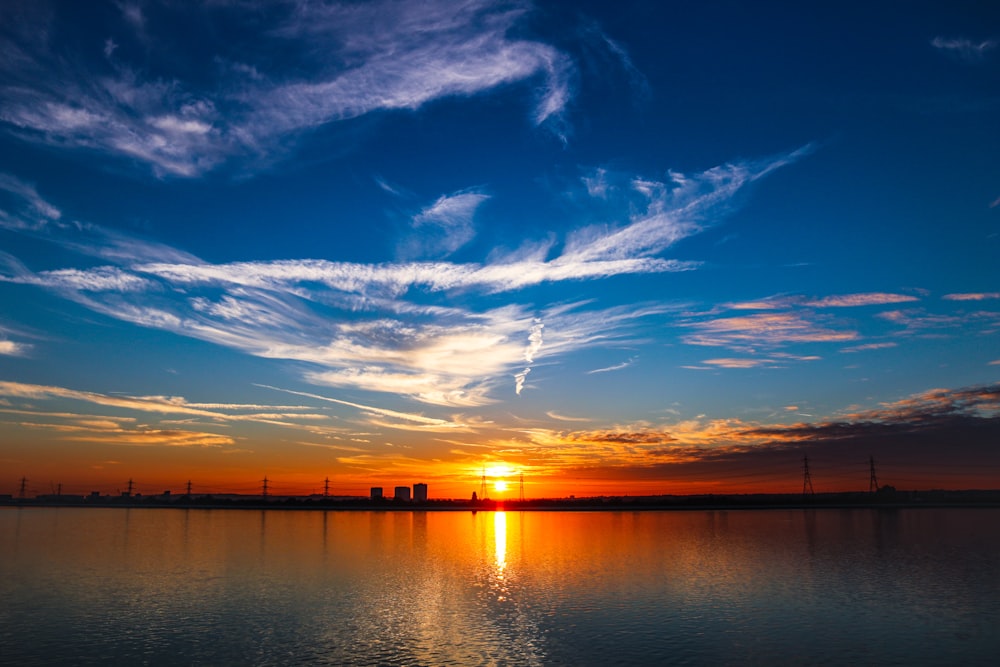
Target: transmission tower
(130,487)
(807,483)
(326,487)
(263,488)
(24,484)
(189,488)
(482,487)
(872,479)
(522,488)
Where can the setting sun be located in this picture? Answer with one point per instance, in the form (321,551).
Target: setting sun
(500,485)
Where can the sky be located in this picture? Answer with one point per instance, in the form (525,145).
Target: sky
(609,248)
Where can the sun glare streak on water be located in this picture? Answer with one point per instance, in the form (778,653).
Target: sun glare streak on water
(90,586)
(500,538)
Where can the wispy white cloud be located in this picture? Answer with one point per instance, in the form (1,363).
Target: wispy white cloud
(25,211)
(833,301)
(396,279)
(444,226)
(24,208)
(100,279)
(972,296)
(534,345)
(12,349)
(923,323)
(155,405)
(564,418)
(430,423)
(386,186)
(770,303)
(774,360)
(855,300)
(869,346)
(673,211)
(616,367)
(111,432)
(393,327)
(638,80)
(965,48)
(596,183)
(738,363)
(351,59)
(764,330)
(782,321)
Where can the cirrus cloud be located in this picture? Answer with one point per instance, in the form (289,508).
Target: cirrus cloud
(350,60)
(394,327)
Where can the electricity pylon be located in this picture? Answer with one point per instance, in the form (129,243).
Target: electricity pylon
(807,483)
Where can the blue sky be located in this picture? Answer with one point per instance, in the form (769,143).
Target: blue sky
(607,246)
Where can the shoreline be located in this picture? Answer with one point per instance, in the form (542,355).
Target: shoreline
(728,502)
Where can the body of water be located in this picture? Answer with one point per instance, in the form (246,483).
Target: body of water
(229,587)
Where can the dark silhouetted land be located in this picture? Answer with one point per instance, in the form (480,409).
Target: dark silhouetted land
(886,497)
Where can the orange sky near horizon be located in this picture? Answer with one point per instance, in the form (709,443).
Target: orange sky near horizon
(449,481)
(935,440)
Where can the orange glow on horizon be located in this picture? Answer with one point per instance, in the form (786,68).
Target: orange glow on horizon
(210,472)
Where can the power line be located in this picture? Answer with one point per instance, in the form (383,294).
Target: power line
(872,479)
(807,484)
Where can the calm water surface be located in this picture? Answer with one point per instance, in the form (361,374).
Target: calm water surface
(226,587)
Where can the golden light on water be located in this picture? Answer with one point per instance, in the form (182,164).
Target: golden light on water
(500,538)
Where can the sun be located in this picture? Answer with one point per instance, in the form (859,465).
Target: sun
(500,486)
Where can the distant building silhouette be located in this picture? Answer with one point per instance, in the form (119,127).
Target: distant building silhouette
(420,492)
(402,493)
(376,493)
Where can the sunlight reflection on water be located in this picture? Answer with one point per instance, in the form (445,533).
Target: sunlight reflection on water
(89,586)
